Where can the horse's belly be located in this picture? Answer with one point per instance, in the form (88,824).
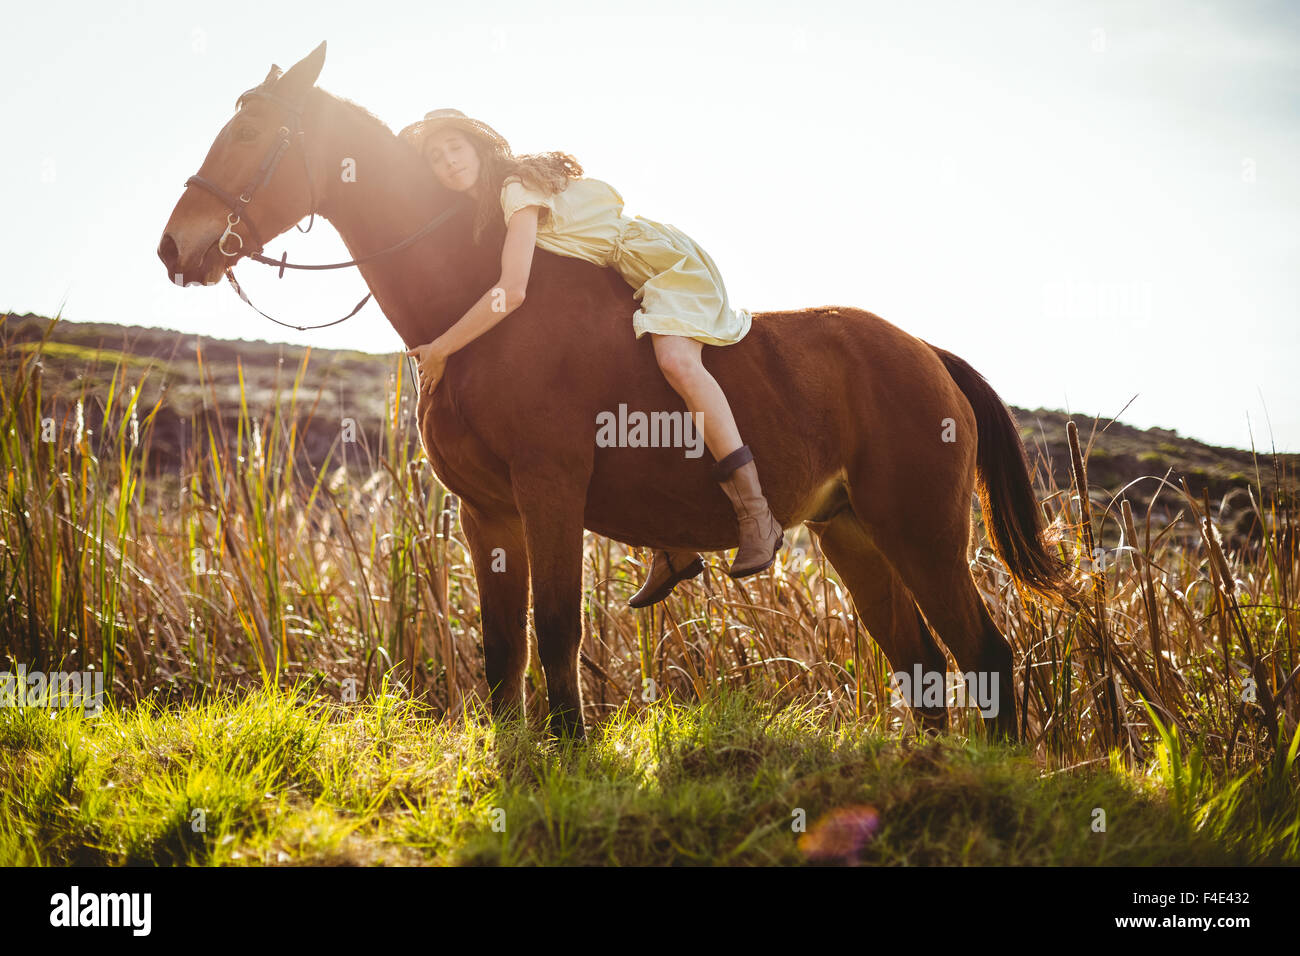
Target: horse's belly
(685,508)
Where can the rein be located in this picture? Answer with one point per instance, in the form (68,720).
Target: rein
(282,263)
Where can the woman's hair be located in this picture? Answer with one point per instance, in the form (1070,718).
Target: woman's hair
(548,172)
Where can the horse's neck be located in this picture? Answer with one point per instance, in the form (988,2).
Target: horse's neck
(376,193)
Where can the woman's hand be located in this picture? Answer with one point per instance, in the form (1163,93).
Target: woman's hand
(432,362)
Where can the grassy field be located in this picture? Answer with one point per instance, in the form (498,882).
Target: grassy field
(290,643)
(272,778)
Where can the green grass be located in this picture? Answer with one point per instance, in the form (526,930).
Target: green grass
(65,351)
(277,777)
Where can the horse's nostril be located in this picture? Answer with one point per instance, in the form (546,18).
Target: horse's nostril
(168,252)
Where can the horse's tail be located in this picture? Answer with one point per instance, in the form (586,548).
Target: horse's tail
(1011,512)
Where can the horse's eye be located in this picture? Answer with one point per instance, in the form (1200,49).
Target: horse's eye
(246,134)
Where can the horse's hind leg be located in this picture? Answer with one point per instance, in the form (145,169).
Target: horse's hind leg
(918,513)
(883,603)
(932,561)
(953,605)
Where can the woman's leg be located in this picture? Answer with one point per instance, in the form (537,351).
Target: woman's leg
(679,360)
(682,356)
(760,533)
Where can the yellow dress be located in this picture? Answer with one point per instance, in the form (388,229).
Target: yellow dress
(680,289)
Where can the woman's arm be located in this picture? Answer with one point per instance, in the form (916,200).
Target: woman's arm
(495,304)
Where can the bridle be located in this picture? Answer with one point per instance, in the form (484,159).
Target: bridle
(237,206)
(238,210)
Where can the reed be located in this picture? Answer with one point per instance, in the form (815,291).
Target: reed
(249,568)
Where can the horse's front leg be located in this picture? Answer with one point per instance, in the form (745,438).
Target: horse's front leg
(496,542)
(552,502)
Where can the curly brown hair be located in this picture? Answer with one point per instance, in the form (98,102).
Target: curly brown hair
(548,172)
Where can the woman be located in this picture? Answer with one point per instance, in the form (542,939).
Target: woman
(547,202)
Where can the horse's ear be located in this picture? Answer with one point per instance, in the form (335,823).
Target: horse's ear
(271,76)
(302,75)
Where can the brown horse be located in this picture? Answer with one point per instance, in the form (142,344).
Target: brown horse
(870,436)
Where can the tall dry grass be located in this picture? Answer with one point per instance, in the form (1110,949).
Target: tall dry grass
(248,568)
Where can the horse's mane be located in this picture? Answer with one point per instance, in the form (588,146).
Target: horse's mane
(362,113)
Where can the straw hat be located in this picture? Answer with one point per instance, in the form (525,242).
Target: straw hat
(435,119)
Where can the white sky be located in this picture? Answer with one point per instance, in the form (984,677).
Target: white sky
(1086,201)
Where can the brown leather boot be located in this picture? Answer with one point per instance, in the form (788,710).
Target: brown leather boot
(760,533)
(669,569)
